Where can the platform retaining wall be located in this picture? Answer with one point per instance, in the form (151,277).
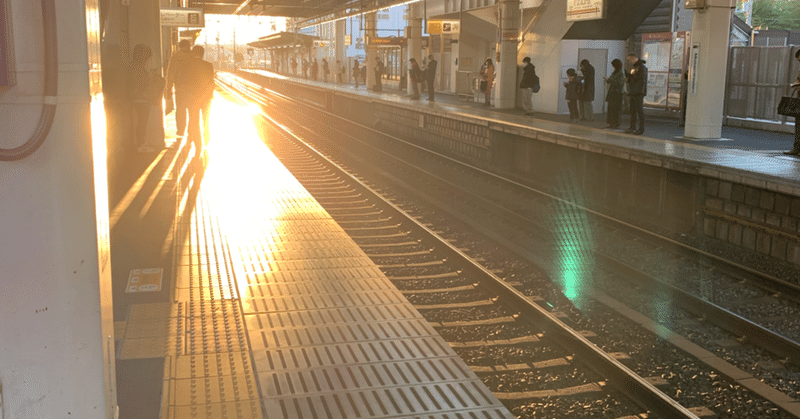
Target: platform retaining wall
(668,195)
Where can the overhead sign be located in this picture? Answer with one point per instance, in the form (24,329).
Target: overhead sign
(586,10)
(183,17)
(443,26)
(387,41)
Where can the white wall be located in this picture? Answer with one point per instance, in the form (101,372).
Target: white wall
(569,59)
(56,325)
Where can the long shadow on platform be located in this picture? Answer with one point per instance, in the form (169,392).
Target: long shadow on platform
(153,198)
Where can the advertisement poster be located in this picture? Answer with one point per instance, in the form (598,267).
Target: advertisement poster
(665,54)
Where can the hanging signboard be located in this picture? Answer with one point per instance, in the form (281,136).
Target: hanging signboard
(183,17)
(443,26)
(586,10)
(392,40)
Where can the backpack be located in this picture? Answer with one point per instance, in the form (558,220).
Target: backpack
(536,87)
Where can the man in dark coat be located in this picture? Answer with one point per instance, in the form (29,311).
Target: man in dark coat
(587,91)
(430,75)
(201,90)
(637,90)
(528,81)
(175,78)
(378,70)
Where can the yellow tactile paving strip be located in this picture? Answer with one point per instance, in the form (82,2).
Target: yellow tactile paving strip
(278,309)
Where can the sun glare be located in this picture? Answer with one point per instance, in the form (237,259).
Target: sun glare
(249,188)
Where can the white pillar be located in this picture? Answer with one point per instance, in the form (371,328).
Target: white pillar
(505,93)
(56,320)
(370,26)
(414,37)
(708,63)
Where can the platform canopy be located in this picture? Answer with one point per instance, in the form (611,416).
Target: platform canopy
(282,40)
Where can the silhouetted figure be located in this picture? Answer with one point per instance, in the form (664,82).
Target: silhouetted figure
(201,90)
(430,75)
(573,86)
(339,72)
(637,90)
(378,69)
(175,79)
(325,70)
(488,78)
(314,69)
(415,77)
(587,91)
(356,71)
(527,84)
(795,151)
(138,82)
(616,85)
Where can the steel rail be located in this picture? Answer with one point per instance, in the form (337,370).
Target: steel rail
(625,380)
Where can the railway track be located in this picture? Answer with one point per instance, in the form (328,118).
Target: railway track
(478,185)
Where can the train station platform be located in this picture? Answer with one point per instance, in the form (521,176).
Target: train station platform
(739,148)
(738,195)
(237,296)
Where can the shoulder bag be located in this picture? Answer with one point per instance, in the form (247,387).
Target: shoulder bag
(789,106)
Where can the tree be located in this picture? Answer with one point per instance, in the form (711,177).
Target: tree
(775,14)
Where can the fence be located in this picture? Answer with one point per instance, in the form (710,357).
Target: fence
(757,79)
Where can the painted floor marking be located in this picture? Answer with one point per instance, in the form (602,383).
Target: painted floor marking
(145,280)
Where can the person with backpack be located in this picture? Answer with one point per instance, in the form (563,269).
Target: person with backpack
(529,85)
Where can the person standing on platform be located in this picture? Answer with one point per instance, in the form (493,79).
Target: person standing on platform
(587,91)
(294,66)
(430,75)
(378,74)
(339,72)
(174,79)
(415,77)
(616,85)
(528,81)
(138,84)
(637,90)
(488,78)
(201,74)
(325,70)
(573,86)
(314,69)
(795,151)
(356,72)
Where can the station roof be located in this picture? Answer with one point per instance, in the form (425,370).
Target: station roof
(307,12)
(283,8)
(283,39)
